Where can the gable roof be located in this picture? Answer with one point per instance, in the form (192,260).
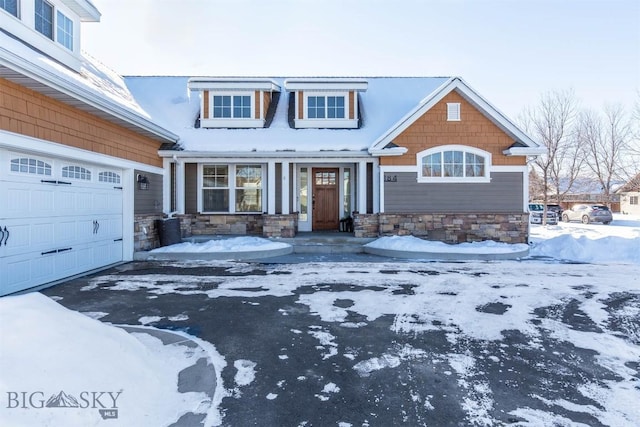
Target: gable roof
(523,145)
(386,99)
(632,185)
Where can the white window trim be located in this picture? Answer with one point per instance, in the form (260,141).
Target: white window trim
(231,187)
(345,123)
(464,148)
(453,112)
(231,122)
(58,12)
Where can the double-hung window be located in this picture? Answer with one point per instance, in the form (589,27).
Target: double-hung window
(44,18)
(232,106)
(10,6)
(64,32)
(454,164)
(232,188)
(215,188)
(321,107)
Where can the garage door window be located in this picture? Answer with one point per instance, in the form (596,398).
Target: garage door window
(76,172)
(110,177)
(32,166)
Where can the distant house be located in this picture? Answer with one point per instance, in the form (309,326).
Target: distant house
(629,195)
(277,156)
(73,146)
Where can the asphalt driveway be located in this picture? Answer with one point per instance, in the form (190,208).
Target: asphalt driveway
(385,344)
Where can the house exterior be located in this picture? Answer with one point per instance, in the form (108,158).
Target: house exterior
(73,146)
(277,156)
(629,195)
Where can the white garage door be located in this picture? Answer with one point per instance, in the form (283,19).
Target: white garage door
(58,218)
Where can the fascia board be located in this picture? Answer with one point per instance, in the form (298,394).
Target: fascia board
(357,85)
(360,154)
(267,85)
(406,121)
(395,151)
(85,10)
(524,151)
(437,96)
(62,85)
(494,113)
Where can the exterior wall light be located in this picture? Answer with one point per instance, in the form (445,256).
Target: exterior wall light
(143,182)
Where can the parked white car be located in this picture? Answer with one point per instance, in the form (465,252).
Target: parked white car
(536,211)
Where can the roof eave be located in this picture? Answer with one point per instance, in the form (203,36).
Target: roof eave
(62,85)
(388,152)
(337,154)
(524,151)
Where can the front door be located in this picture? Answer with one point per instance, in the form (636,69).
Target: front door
(324,200)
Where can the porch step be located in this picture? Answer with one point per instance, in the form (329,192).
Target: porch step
(326,243)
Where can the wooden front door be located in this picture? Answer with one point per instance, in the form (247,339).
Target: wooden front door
(325,199)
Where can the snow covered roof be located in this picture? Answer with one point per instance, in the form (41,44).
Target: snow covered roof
(386,100)
(95,89)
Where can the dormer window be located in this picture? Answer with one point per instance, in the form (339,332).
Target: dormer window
(64,27)
(227,106)
(44,18)
(10,6)
(234,103)
(325,107)
(325,103)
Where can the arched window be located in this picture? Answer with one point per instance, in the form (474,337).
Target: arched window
(454,163)
(31,166)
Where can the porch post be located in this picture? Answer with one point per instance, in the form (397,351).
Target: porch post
(376,186)
(362,186)
(271,188)
(180,186)
(285,188)
(166,185)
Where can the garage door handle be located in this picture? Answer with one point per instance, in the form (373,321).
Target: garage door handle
(1,235)
(64,250)
(48,181)
(5,234)
(49,252)
(97,227)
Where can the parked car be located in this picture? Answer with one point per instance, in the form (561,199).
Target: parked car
(555,208)
(536,211)
(587,214)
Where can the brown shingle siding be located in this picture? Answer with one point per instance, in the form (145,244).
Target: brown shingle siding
(433,129)
(29,113)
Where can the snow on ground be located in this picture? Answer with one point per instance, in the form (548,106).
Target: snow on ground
(62,359)
(234,244)
(618,242)
(51,349)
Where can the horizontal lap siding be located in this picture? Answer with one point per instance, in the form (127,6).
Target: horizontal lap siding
(150,200)
(406,195)
(30,113)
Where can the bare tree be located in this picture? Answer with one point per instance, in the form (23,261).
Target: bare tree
(605,141)
(551,124)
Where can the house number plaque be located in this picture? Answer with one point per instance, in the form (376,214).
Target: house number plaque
(391,178)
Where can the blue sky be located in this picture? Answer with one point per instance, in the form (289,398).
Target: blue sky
(510,51)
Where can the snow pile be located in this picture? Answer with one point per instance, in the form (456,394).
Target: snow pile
(62,357)
(592,243)
(234,244)
(414,244)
